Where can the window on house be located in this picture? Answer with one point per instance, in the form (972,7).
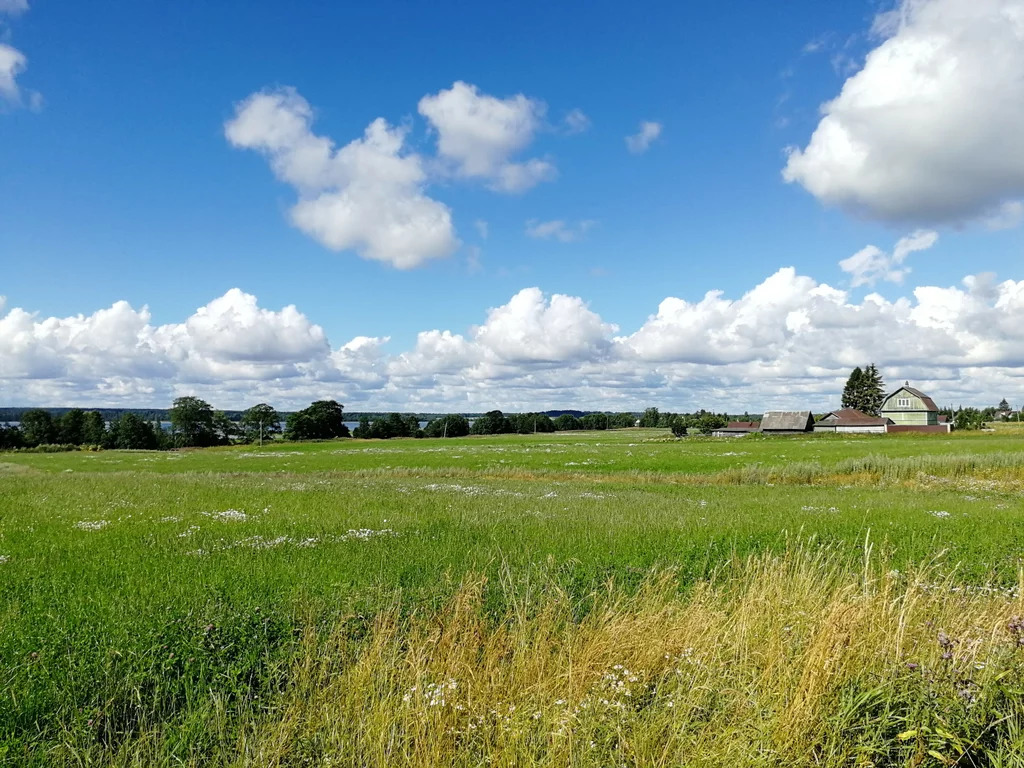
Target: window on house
(902,402)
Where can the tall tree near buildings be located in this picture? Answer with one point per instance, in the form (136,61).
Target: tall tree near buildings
(192,422)
(873,389)
(864,390)
(852,390)
(1003,405)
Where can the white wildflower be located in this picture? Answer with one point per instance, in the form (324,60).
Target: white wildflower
(91,525)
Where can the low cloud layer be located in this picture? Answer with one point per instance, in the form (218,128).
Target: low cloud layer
(788,341)
(929,129)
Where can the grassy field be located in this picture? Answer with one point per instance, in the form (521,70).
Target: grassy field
(617,598)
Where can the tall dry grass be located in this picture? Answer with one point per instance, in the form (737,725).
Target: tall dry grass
(779,660)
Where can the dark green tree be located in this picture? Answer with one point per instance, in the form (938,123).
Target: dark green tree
(492,423)
(621,420)
(650,418)
(192,422)
(322,420)
(852,390)
(226,429)
(259,423)
(10,438)
(566,422)
(94,430)
(864,390)
(597,421)
(130,432)
(969,419)
(1003,405)
(37,427)
(707,423)
(528,423)
(873,391)
(679,426)
(452,425)
(72,427)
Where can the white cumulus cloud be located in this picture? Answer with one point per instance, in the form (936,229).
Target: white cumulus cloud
(368,195)
(12,64)
(640,142)
(576,121)
(558,229)
(479,134)
(930,128)
(871,264)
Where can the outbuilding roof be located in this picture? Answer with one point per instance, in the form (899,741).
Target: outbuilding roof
(788,421)
(850,417)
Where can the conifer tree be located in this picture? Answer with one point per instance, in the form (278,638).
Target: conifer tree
(864,390)
(873,391)
(851,392)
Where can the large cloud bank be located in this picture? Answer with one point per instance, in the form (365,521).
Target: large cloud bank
(930,129)
(788,341)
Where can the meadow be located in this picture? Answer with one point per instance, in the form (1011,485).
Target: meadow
(602,598)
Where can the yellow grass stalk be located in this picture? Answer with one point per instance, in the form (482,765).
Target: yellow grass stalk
(778,660)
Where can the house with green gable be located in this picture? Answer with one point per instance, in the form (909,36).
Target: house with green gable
(911,410)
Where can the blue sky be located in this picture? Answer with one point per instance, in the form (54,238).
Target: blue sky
(120,182)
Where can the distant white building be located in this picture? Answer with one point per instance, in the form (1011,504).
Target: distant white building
(850,420)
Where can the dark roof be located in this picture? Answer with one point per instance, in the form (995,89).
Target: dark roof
(852,417)
(929,404)
(741,425)
(943,419)
(789,421)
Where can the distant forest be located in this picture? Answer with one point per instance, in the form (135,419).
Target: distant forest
(14,413)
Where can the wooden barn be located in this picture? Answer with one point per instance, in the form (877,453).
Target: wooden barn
(787,422)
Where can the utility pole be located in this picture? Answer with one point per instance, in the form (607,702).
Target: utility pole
(261,433)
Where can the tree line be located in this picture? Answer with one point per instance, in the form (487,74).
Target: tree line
(193,424)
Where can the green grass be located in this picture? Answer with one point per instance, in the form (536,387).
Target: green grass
(142,622)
